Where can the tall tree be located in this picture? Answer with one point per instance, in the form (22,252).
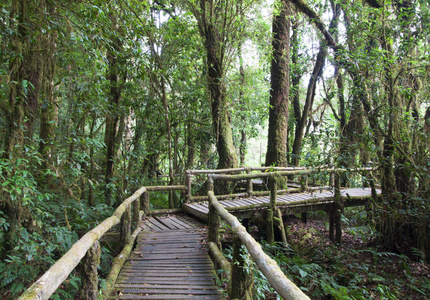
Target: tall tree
(280,86)
(218,27)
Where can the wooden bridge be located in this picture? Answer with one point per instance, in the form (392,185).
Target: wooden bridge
(175,257)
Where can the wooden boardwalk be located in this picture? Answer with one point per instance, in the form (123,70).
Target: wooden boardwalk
(168,263)
(288,203)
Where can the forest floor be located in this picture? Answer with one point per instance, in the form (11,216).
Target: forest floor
(355,270)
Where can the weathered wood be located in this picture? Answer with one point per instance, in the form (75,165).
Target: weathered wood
(125,227)
(285,173)
(249,187)
(219,258)
(119,261)
(145,204)
(331,223)
(89,276)
(167,211)
(46,285)
(235,170)
(168,264)
(273,184)
(281,227)
(136,213)
(188,185)
(210,183)
(214,222)
(241,279)
(338,208)
(303,183)
(161,188)
(270,233)
(285,287)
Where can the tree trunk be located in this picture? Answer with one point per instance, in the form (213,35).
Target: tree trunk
(279,92)
(191,151)
(220,113)
(112,119)
(310,95)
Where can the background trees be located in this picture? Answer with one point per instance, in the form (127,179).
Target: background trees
(97,98)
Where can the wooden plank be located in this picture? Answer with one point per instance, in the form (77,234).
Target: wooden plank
(166,286)
(158,224)
(169,297)
(182,224)
(169,264)
(170,291)
(179,281)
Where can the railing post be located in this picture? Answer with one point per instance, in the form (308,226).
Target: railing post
(304,183)
(270,212)
(89,280)
(210,183)
(249,187)
(273,184)
(144,203)
(241,279)
(188,182)
(269,226)
(125,230)
(338,209)
(136,208)
(214,221)
(331,223)
(369,206)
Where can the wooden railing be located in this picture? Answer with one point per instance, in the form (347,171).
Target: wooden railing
(335,230)
(87,249)
(238,277)
(190,174)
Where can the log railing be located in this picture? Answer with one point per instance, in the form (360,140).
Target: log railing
(238,277)
(273,212)
(190,174)
(87,249)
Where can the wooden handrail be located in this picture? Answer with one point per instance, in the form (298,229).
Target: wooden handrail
(284,286)
(267,173)
(286,173)
(46,285)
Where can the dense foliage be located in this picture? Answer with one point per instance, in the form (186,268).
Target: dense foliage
(98,97)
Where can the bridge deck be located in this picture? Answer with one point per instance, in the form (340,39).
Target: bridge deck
(288,203)
(168,263)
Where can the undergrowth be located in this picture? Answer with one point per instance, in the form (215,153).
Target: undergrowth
(356,270)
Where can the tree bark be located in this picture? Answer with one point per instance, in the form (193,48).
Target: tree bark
(215,29)
(112,119)
(279,93)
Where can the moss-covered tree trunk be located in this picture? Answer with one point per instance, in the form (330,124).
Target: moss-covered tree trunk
(26,71)
(112,119)
(49,109)
(217,93)
(280,87)
(215,30)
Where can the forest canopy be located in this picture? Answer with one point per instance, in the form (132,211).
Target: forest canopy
(99,98)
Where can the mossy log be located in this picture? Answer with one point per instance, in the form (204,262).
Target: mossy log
(89,277)
(166,211)
(160,188)
(235,170)
(286,173)
(119,261)
(219,258)
(285,287)
(51,280)
(270,233)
